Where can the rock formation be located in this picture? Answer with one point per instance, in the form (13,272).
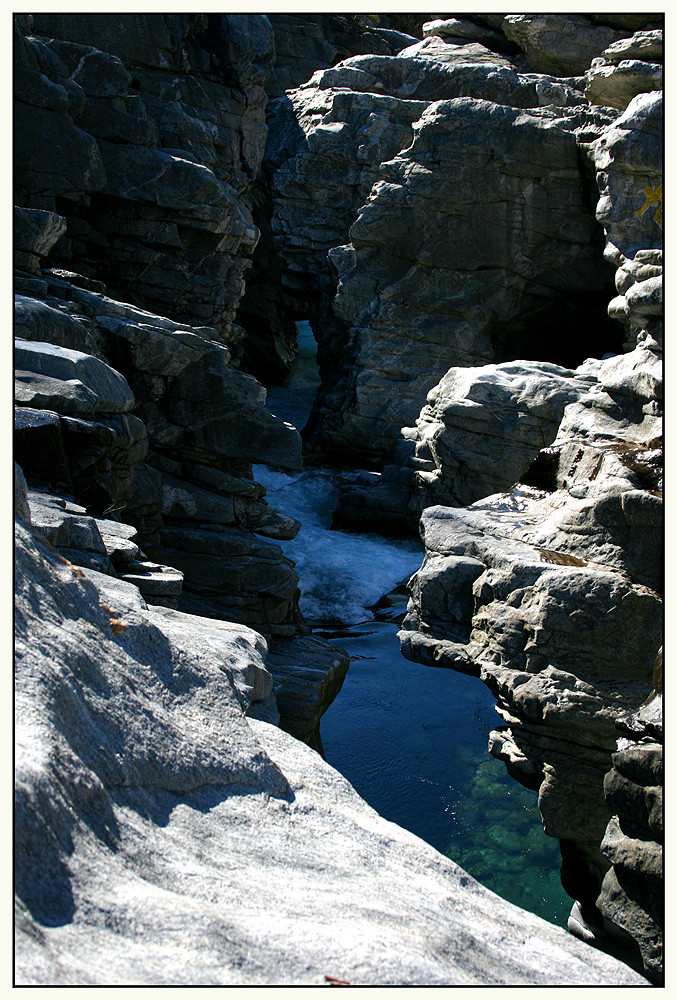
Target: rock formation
(166,838)
(422,189)
(121,412)
(530,588)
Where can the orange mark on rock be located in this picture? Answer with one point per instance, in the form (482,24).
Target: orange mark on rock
(116,624)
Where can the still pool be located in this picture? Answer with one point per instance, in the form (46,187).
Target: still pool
(412,740)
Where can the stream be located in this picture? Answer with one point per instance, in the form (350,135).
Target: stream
(411,739)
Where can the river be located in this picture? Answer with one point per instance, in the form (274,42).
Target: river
(411,739)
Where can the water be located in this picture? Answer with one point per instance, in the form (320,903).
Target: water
(411,739)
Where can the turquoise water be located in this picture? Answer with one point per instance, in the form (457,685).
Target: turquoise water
(412,740)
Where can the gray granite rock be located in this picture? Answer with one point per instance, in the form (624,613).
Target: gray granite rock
(137,772)
(478,433)
(416,294)
(101,388)
(563,45)
(35,233)
(156,129)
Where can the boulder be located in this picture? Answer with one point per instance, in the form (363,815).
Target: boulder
(89,384)
(563,45)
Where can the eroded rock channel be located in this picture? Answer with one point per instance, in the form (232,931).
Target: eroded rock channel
(466,213)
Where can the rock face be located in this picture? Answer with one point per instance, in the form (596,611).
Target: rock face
(427,202)
(124,411)
(479,432)
(400,153)
(530,588)
(142,786)
(632,892)
(155,125)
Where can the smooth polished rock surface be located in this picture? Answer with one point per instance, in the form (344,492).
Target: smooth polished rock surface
(190,846)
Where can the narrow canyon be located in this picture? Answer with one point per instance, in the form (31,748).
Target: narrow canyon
(338,499)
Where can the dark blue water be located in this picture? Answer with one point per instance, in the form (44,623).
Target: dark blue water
(411,739)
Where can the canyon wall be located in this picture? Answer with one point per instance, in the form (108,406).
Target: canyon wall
(448,211)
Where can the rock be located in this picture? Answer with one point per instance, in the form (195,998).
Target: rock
(68,396)
(97,389)
(187,502)
(307,42)
(478,434)
(22,510)
(615,85)
(456,28)
(644,45)
(63,529)
(632,894)
(373,98)
(557,44)
(39,447)
(205,423)
(629,176)
(110,794)
(440,296)
(308,674)
(35,233)
(458,50)
(154,174)
(38,320)
(158,584)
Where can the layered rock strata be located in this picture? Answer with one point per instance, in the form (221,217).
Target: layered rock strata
(156,129)
(142,785)
(123,412)
(399,153)
(632,894)
(551,592)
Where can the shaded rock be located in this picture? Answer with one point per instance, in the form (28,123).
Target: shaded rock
(443,293)
(563,45)
(109,793)
(156,129)
(41,321)
(22,510)
(632,894)
(184,501)
(454,50)
(307,42)
(35,233)
(453,27)
(308,674)
(39,446)
(91,385)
